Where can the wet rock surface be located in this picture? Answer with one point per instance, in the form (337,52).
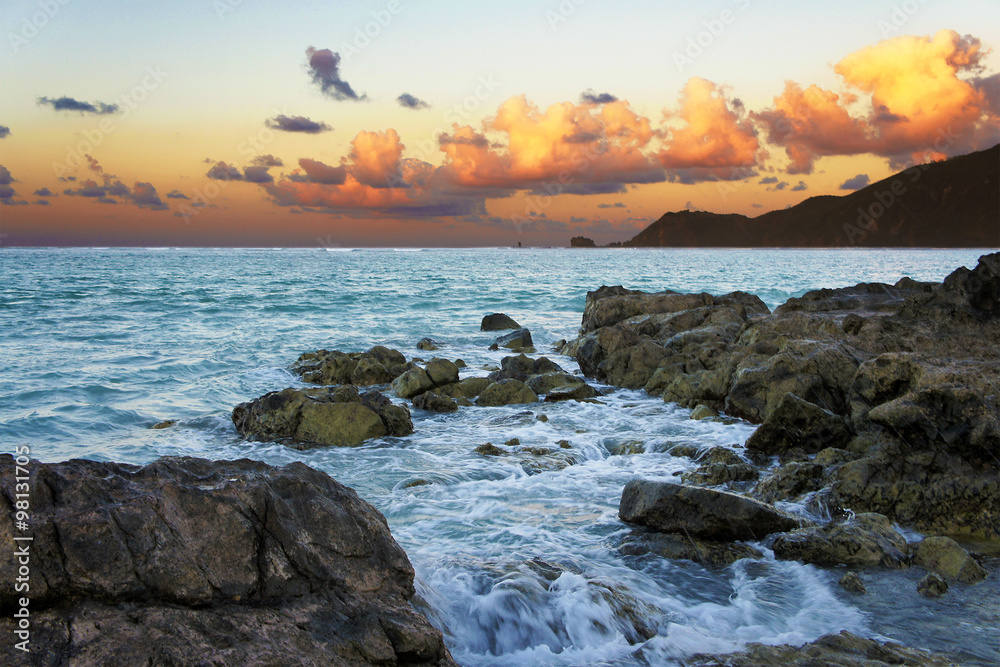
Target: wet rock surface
(379,365)
(332,416)
(904,378)
(843,650)
(189,561)
(702,513)
(867,540)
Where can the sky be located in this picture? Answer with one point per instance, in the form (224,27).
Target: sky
(439,124)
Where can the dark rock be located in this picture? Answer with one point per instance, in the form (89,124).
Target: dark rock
(506,392)
(702,513)
(518,340)
(869,540)
(489,449)
(167,423)
(702,411)
(467,388)
(576,391)
(932,586)
(798,423)
(498,322)
(441,371)
(337,416)
(685,547)
(716,474)
(378,365)
(434,403)
(522,367)
(789,482)
(852,582)
(543,384)
(186,561)
(426,344)
(843,650)
(946,557)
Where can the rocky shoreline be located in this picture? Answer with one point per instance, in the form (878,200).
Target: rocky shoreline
(878,406)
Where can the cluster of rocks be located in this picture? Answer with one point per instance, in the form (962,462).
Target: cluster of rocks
(339,414)
(186,561)
(877,398)
(877,405)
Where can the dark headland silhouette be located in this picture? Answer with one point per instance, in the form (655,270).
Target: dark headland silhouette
(953,203)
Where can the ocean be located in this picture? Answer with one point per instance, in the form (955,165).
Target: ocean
(516,568)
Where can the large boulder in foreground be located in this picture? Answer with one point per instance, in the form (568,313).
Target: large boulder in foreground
(186,561)
(337,416)
(703,513)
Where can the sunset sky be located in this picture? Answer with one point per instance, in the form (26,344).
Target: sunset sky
(395,123)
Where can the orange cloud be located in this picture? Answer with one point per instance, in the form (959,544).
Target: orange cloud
(715,140)
(575,147)
(917,104)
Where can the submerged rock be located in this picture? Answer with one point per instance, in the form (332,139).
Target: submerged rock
(843,650)
(186,561)
(498,322)
(932,585)
(852,582)
(427,344)
(338,416)
(869,540)
(685,547)
(704,513)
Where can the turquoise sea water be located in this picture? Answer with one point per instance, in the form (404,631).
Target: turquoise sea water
(99,344)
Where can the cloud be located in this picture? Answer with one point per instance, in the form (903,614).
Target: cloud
(177,194)
(617,204)
(295,124)
(410,102)
(574,219)
(266,161)
(5,177)
(257,174)
(590,97)
(324,70)
(42,202)
(88,188)
(714,136)
(768,180)
(69,104)
(781,186)
(4,131)
(800,186)
(855,183)
(317,172)
(144,195)
(44,192)
(913,101)
(223,171)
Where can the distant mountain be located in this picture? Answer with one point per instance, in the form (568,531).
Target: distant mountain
(954,203)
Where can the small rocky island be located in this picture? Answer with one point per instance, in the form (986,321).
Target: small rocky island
(878,406)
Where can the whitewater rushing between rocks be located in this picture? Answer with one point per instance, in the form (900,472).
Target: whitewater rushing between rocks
(502,477)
